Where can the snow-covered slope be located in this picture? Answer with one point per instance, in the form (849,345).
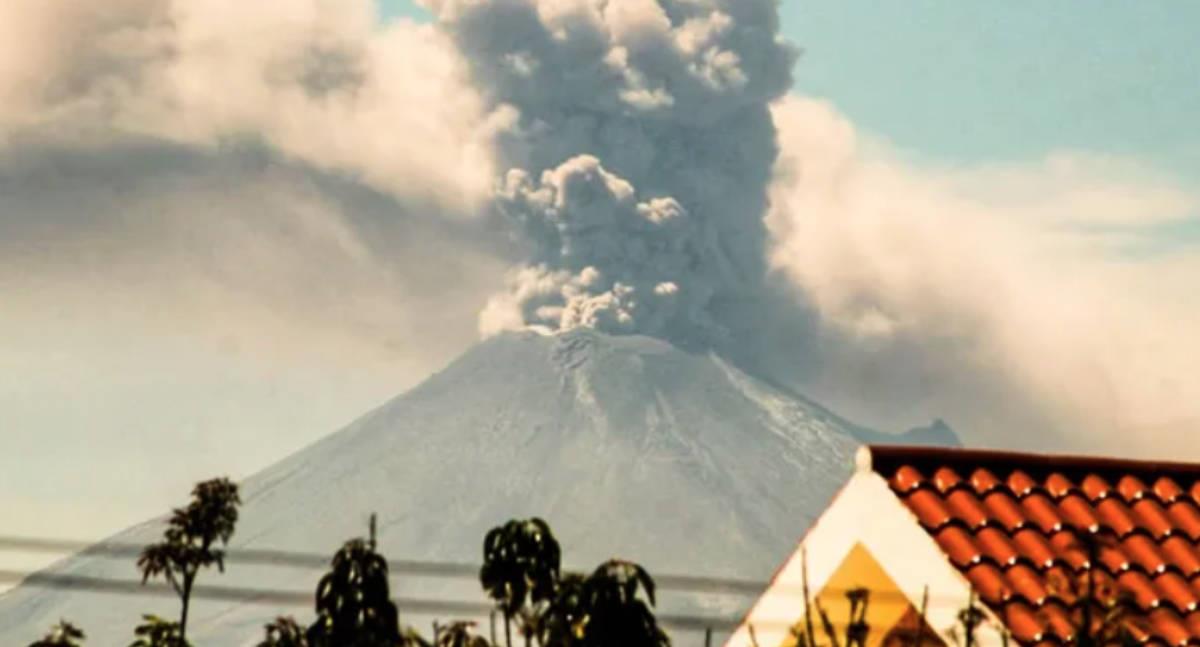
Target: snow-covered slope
(625,445)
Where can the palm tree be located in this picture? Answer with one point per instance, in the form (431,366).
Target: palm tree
(521,562)
(284,632)
(460,634)
(353,601)
(157,632)
(63,634)
(190,540)
(618,598)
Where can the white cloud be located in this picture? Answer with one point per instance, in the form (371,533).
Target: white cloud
(223,224)
(293,162)
(997,296)
(317,80)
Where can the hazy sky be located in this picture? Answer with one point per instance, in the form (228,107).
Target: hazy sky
(207,262)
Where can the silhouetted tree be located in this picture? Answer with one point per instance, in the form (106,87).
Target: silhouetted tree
(283,631)
(63,634)
(521,562)
(971,619)
(565,619)
(353,601)
(157,632)
(618,597)
(460,634)
(190,541)
(1103,618)
(856,627)
(410,638)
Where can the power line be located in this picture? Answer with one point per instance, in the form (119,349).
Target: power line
(282,598)
(295,559)
(314,561)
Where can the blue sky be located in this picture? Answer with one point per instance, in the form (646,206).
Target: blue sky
(996,81)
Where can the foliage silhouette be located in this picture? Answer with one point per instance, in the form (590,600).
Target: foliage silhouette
(157,632)
(1104,618)
(970,619)
(618,597)
(283,631)
(803,634)
(63,634)
(353,601)
(521,562)
(856,627)
(190,540)
(1101,612)
(460,634)
(565,618)
(409,637)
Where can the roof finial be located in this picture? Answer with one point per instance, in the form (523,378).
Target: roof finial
(862,459)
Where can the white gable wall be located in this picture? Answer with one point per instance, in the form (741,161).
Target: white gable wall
(866,511)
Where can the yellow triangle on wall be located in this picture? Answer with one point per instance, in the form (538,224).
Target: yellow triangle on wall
(890,618)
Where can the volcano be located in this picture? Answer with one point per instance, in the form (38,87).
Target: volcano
(626,445)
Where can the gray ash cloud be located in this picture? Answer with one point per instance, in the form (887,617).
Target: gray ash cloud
(637,157)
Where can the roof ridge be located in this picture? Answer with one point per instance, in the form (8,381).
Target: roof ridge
(886,459)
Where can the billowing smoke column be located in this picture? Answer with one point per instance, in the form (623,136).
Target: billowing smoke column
(639,147)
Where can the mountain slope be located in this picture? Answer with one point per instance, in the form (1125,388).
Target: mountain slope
(625,445)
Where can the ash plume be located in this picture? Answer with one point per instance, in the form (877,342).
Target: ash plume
(637,156)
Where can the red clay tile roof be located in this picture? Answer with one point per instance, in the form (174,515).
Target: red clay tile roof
(1029,531)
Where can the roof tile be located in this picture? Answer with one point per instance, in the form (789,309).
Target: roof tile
(1070,550)
(1169,626)
(1182,554)
(1144,552)
(990,583)
(1021,483)
(1041,511)
(1141,588)
(967,507)
(959,546)
(998,546)
(1060,486)
(946,479)
(1192,622)
(1152,517)
(1027,582)
(931,508)
(1034,546)
(1058,620)
(1021,529)
(1174,588)
(1167,490)
(1132,488)
(1023,622)
(1116,516)
(1005,509)
(1096,488)
(984,481)
(1076,510)
(1186,517)
(906,478)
